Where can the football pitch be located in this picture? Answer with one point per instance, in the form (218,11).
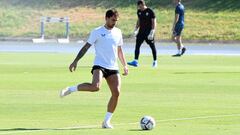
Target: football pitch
(190,95)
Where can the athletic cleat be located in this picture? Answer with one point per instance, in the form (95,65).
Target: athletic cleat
(133,63)
(154,65)
(176,55)
(107,125)
(65,92)
(183,50)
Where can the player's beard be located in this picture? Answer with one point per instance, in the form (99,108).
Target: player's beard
(111,26)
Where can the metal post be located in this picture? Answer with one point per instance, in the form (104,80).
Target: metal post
(42,29)
(67,28)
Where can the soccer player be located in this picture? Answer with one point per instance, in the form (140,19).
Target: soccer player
(144,30)
(107,41)
(177,28)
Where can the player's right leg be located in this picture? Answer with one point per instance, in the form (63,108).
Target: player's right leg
(180,45)
(91,87)
(178,40)
(139,42)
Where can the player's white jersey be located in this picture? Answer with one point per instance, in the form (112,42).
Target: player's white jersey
(106,44)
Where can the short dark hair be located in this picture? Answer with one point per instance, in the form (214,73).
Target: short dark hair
(111,12)
(141,2)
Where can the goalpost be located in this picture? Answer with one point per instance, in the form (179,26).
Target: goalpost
(46,19)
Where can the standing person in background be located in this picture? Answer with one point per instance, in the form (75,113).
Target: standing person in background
(177,28)
(144,31)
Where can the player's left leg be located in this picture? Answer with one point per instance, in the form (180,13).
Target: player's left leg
(114,83)
(151,43)
(180,45)
(178,40)
(139,41)
(174,37)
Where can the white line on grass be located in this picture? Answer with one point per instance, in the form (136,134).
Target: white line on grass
(190,118)
(97,126)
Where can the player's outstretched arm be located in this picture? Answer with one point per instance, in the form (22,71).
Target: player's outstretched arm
(81,53)
(122,60)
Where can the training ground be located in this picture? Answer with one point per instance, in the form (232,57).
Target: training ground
(196,94)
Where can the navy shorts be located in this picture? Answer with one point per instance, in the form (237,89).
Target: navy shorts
(106,72)
(178,30)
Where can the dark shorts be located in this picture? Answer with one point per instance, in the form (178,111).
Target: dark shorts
(178,30)
(143,36)
(106,72)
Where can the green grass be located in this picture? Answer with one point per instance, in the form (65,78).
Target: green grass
(185,87)
(205,19)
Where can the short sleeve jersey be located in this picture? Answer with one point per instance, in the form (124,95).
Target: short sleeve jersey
(180,10)
(106,44)
(145,19)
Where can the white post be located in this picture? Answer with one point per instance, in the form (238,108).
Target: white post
(44,20)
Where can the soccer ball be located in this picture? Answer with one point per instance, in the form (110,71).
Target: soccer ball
(147,123)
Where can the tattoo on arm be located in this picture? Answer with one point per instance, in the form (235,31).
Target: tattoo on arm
(82,52)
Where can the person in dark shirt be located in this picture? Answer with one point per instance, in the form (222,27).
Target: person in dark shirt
(144,31)
(177,28)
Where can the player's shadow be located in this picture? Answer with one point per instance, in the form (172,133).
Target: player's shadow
(21,129)
(45,129)
(138,130)
(206,72)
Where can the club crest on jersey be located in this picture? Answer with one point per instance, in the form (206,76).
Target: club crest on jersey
(103,35)
(147,14)
(139,13)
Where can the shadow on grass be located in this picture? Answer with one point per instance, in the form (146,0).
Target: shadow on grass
(206,73)
(135,130)
(47,129)
(139,130)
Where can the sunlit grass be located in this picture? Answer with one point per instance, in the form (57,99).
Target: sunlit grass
(186,87)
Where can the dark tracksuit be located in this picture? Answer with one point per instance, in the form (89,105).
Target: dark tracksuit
(145,19)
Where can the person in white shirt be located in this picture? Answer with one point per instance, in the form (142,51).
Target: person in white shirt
(107,41)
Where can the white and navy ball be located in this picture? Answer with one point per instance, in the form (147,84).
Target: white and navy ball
(147,123)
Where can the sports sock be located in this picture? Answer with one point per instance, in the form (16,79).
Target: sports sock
(182,47)
(179,51)
(108,117)
(136,60)
(73,88)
